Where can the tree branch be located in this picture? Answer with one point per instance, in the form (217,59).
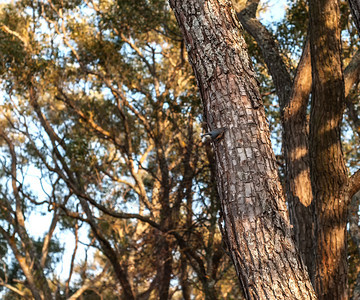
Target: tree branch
(354,183)
(88,284)
(352,73)
(355,11)
(269,50)
(15,34)
(12,288)
(47,239)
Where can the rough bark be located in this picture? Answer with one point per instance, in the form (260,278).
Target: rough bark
(24,251)
(327,168)
(184,280)
(293,100)
(164,252)
(352,75)
(164,259)
(295,124)
(355,11)
(256,225)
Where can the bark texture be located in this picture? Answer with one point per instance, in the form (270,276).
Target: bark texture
(355,11)
(256,225)
(354,231)
(352,73)
(293,100)
(328,172)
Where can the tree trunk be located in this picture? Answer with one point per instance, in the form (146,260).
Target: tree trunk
(164,260)
(257,228)
(269,50)
(328,172)
(184,280)
(293,101)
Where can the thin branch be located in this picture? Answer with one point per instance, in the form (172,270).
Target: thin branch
(88,284)
(47,239)
(62,34)
(15,34)
(67,284)
(12,288)
(23,264)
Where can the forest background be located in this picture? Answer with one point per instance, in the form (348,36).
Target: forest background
(100,136)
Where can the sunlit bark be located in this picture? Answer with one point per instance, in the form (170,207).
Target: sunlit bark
(328,172)
(296,152)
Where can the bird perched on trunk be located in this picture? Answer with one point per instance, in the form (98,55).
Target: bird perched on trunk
(215,135)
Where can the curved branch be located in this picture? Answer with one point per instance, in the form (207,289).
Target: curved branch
(269,49)
(89,283)
(12,288)
(352,73)
(6,29)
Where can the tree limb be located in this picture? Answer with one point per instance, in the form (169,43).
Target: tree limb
(269,50)
(12,288)
(354,183)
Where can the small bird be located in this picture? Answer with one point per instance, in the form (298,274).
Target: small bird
(215,134)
